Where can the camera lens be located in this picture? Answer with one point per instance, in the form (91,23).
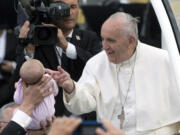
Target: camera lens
(43,33)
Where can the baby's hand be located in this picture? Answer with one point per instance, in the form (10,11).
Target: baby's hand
(15,85)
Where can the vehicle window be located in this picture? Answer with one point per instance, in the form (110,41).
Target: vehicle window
(175,6)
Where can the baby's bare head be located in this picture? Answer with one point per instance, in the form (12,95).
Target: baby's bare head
(32,71)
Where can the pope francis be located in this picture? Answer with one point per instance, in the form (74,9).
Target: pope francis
(129,83)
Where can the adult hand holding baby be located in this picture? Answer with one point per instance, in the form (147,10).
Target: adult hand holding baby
(34,94)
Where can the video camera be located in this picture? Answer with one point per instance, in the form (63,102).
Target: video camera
(38,11)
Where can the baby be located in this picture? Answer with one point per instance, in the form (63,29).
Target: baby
(31,72)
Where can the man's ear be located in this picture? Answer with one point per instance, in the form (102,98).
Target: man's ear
(132,41)
(1,127)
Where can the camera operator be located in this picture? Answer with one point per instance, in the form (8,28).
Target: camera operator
(71,55)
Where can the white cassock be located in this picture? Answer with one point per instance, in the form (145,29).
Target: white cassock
(156,99)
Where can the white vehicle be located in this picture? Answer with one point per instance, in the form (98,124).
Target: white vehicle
(168,15)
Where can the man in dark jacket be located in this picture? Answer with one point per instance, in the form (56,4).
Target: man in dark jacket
(71,55)
(7,62)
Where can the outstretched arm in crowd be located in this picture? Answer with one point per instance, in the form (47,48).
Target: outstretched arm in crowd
(33,95)
(64,126)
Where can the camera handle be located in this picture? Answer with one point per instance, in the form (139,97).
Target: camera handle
(23,41)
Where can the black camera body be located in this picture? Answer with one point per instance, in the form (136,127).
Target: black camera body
(42,35)
(37,13)
(88,127)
